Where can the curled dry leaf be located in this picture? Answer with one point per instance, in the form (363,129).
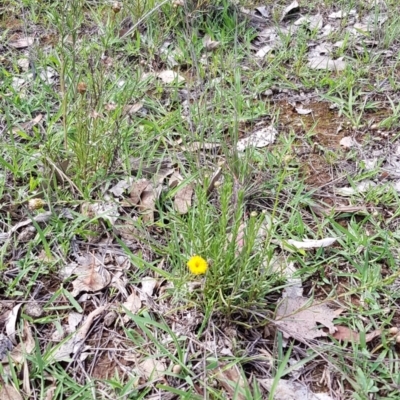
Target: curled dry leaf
(183,199)
(137,189)
(312,244)
(303,111)
(261,53)
(210,44)
(290,11)
(11,323)
(148,285)
(175,179)
(260,138)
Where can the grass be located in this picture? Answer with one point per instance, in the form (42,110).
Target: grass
(68,138)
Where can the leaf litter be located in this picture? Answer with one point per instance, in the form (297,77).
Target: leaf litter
(144,204)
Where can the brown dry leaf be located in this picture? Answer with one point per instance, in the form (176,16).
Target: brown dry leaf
(260,138)
(26,346)
(137,189)
(175,179)
(170,76)
(74,343)
(183,199)
(106,210)
(303,111)
(343,333)
(132,304)
(348,142)
(92,277)
(231,380)
(210,44)
(290,390)
(148,286)
(298,319)
(50,392)
(8,392)
(132,108)
(148,203)
(152,369)
(290,11)
(22,43)
(326,63)
(162,174)
(26,126)
(11,323)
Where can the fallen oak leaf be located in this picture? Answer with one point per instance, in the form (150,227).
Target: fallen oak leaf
(296,318)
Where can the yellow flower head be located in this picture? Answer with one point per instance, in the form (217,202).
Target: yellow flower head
(197,265)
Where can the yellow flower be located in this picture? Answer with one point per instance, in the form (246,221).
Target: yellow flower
(197,265)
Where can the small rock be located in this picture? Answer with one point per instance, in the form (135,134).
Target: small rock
(34,310)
